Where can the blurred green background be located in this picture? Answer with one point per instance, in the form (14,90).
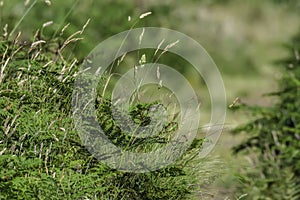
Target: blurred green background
(244,38)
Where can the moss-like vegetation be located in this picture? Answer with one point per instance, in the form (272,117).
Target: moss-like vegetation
(41,155)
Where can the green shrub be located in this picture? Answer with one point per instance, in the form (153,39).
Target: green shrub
(41,156)
(274,138)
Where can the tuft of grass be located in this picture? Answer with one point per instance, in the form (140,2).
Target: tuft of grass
(41,155)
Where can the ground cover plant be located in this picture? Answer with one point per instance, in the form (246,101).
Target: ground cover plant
(41,155)
(40,152)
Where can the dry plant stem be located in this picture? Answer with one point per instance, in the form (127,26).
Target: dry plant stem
(22,18)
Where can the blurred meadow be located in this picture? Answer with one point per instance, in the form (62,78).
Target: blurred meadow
(245,38)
